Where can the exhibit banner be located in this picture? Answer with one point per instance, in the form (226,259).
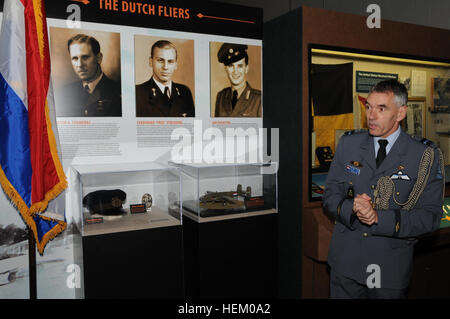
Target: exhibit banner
(124,115)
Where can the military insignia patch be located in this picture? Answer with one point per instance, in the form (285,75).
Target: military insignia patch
(352,169)
(400,175)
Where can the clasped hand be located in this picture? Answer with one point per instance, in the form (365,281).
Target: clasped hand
(363,209)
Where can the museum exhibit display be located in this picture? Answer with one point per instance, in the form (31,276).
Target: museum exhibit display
(337,59)
(221,191)
(121,210)
(229,229)
(117,109)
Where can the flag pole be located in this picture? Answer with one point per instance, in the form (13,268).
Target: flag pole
(32,264)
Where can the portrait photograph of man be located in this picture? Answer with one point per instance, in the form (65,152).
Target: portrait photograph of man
(235,80)
(86,73)
(164,74)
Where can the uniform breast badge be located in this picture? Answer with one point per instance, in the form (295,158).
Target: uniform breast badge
(351,169)
(401,176)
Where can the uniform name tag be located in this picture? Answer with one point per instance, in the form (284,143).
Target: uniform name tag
(351,169)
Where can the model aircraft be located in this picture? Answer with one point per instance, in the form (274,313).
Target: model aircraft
(225,200)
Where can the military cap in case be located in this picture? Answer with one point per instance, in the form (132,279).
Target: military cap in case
(105,202)
(229,53)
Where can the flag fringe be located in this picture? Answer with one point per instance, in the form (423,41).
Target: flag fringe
(51,194)
(51,234)
(38,17)
(53,147)
(24,211)
(62,184)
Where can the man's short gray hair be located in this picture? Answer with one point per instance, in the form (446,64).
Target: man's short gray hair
(394,86)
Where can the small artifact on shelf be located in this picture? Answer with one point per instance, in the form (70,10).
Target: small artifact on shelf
(93,220)
(224,203)
(225,200)
(138,208)
(147,200)
(105,202)
(253,202)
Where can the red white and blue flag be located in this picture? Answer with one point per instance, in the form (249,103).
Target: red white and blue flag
(31,173)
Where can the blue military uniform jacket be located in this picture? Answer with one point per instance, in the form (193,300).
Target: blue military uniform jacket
(410,205)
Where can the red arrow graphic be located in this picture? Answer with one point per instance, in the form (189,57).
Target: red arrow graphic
(200,15)
(82,1)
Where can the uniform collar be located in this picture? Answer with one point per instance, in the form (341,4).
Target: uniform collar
(93,84)
(241,89)
(391,140)
(162,86)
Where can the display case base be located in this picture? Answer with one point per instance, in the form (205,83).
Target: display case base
(134,264)
(232,258)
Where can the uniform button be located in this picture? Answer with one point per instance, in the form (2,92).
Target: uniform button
(398,193)
(372,186)
(365,235)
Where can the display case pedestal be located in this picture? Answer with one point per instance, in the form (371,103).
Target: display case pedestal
(134,264)
(231,258)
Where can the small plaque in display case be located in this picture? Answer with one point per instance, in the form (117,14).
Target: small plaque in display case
(93,220)
(138,208)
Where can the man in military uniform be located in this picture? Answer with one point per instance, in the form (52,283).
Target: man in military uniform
(239,100)
(384,189)
(160,96)
(95,94)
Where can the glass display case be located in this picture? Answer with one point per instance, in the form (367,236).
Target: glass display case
(111,198)
(223,191)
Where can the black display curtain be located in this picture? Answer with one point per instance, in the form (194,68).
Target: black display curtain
(331,88)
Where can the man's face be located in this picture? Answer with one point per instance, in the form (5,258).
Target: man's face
(164,64)
(237,72)
(383,115)
(84,62)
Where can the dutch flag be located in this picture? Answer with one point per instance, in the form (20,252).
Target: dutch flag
(31,173)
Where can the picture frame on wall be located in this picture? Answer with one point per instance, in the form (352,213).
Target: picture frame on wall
(414,122)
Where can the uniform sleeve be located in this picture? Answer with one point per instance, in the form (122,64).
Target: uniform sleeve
(191,112)
(335,199)
(216,109)
(424,217)
(259,106)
